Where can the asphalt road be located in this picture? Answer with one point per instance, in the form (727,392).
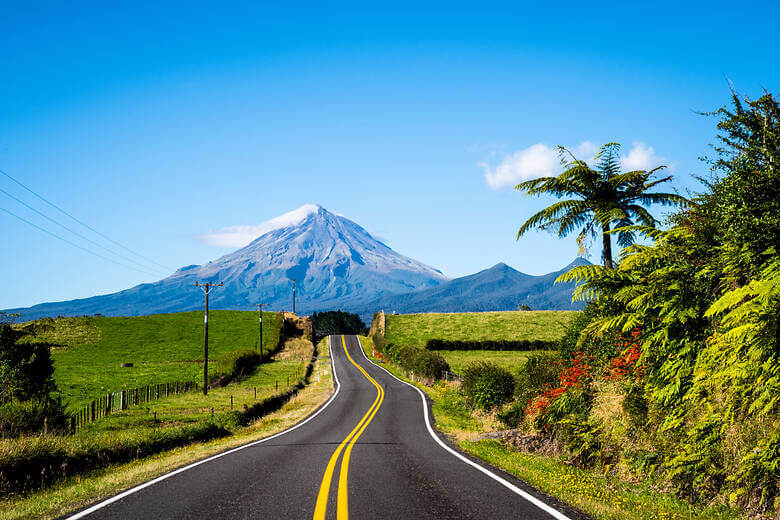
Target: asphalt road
(369,453)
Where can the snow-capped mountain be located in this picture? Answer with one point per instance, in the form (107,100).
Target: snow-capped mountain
(335,262)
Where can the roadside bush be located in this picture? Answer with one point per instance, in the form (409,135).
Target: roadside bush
(487,385)
(541,371)
(26,369)
(489,344)
(758,477)
(573,341)
(513,416)
(233,365)
(583,443)
(422,362)
(26,417)
(379,342)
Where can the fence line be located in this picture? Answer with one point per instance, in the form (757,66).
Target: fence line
(452,376)
(124,399)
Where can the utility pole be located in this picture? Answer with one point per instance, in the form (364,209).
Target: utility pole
(260,310)
(206,288)
(293,295)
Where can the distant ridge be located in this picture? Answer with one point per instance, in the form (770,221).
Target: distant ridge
(498,288)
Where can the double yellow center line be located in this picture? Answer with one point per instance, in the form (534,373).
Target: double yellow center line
(342,506)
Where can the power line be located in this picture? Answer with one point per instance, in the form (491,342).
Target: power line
(147,268)
(71,243)
(83,223)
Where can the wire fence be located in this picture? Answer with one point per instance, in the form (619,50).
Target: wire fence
(452,376)
(124,399)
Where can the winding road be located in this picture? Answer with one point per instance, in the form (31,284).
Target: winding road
(369,453)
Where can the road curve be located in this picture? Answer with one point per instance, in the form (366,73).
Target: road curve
(369,453)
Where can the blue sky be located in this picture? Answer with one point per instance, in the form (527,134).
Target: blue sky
(156,125)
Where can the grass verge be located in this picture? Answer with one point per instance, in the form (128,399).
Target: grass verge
(596,494)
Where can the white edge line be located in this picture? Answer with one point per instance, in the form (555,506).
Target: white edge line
(139,487)
(535,501)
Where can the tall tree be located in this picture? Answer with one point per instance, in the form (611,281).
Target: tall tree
(599,199)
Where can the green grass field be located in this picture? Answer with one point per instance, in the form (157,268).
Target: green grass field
(417,329)
(162,347)
(509,359)
(194,407)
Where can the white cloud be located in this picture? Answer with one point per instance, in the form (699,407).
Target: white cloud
(640,157)
(239,236)
(540,160)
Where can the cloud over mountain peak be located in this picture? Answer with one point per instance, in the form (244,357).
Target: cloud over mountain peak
(240,236)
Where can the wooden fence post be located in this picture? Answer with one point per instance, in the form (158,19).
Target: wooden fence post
(92,415)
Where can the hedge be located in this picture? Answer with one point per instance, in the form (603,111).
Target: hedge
(422,362)
(490,344)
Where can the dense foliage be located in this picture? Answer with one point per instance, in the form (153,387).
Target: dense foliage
(336,322)
(684,332)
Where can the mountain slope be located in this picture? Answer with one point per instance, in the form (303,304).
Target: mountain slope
(497,288)
(336,264)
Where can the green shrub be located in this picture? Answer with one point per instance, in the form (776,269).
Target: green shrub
(758,477)
(573,341)
(488,385)
(574,405)
(635,406)
(379,342)
(26,417)
(490,344)
(513,416)
(232,366)
(697,470)
(422,362)
(583,442)
(539,372)
(26,369)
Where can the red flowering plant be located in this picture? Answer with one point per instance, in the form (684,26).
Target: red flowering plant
(572,382)
(626,366)
(378,355)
